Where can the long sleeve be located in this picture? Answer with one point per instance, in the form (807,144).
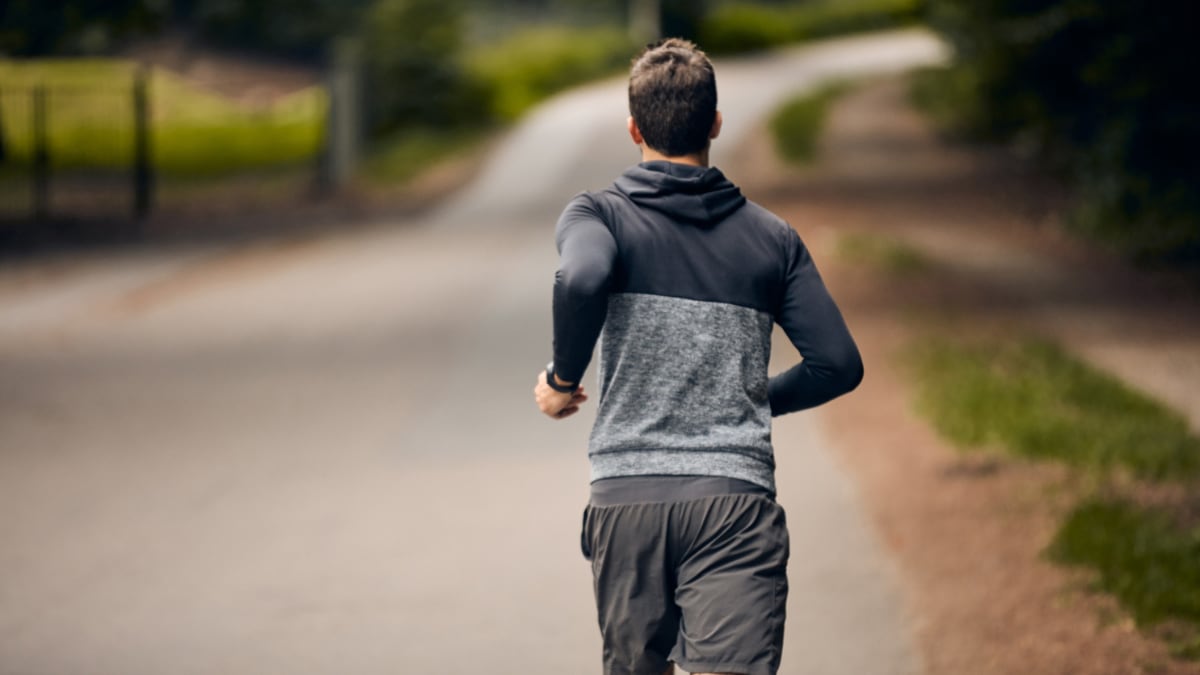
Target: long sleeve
(832,365)
(587,255)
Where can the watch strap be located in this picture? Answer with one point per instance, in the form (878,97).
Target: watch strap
(550,380)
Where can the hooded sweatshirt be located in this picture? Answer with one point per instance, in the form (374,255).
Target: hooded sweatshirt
(682,278)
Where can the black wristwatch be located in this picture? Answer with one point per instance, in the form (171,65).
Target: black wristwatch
(555,385)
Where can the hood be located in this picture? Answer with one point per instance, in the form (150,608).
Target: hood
(695,195)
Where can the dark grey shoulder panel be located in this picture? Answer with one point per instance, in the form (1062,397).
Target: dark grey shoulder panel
(738,260)
(683,390)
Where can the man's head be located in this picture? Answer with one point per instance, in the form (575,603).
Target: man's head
(673,99)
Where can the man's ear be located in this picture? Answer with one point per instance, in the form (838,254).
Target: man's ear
(716,127)
(634,132)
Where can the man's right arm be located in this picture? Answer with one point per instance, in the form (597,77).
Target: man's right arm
(587,257)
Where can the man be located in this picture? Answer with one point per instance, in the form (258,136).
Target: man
(686,278)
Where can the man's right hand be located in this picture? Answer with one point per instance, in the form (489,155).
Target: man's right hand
(556,404)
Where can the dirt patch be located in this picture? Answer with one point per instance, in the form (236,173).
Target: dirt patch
(969,532)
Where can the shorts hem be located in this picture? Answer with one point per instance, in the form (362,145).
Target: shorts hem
(725,667)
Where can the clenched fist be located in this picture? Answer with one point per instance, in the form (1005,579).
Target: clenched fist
(556,404)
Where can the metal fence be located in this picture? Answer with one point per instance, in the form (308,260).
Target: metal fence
(74,152)
(105,154)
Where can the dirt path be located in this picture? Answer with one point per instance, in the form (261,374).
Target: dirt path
(968,536)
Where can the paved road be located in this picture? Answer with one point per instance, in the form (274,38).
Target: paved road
(320,456)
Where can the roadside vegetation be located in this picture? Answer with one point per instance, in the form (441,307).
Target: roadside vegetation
(534,63)
(194,132)
(1091,90)
(1132,519)
(1030,398)
(197,134)
(746,27)
(1144,556)
(796,125)
(484,87)
(1088,90)
(433,87)
(884,253)
(1137,526)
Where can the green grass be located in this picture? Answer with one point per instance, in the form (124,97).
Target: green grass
(1150,563)
(796,125)
(194,132)
(1032,399)
(884,253)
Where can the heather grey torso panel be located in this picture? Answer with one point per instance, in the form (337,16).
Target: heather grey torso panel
(683,390)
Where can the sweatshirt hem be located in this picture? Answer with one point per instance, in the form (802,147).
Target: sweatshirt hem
(741,463)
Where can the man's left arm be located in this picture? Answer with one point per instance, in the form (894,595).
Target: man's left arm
(832,365)
(587,256)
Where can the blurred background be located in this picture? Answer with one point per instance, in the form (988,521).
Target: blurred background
(119,110)
(275,281)
(121,118)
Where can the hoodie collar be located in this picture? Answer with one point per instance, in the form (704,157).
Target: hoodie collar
(697,195)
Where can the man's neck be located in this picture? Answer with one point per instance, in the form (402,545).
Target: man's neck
(649,154)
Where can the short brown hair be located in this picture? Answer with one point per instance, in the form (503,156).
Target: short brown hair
(673,97)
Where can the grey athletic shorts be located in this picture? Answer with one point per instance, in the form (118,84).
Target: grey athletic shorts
(700,582)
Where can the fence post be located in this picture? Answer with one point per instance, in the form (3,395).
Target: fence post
(41,157)
(343,124)
(143,170)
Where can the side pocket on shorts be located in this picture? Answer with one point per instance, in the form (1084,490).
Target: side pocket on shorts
(585,536)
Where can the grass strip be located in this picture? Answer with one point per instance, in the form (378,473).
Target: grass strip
(884,253)
(796,125)
(1032,399)
(1145,559)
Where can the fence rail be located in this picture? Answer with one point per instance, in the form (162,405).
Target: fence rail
(75,152)
(112,143)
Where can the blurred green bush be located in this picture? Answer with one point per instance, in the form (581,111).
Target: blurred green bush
(1099,90)
(424,80)
(421,72)
(414,73)
(534,63)
(734,28)
(796,125)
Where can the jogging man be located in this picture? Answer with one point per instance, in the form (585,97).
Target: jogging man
(686,278)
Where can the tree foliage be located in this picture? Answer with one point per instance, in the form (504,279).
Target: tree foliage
(293,28)
(414,70)
(1103,89)
(426,63)
(39,27)
(753,26)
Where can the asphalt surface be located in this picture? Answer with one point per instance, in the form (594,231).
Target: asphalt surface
(322,456)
